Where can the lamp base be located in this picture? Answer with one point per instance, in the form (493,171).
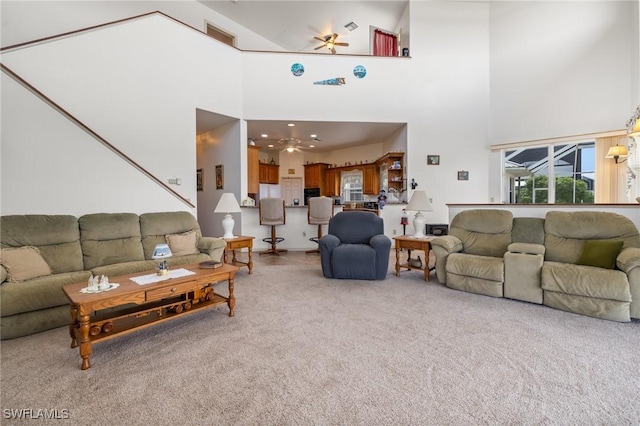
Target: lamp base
(227,225)
(418,225)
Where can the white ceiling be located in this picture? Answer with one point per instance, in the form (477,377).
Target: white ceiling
(292,25)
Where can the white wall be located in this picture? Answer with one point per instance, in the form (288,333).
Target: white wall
(143,105)
(561,68)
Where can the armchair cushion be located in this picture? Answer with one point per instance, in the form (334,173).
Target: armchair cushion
(600,253)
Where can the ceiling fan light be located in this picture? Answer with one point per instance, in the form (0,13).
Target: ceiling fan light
(290,149)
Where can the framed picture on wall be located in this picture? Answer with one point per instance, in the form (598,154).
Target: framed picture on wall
(220,176)
(463,175)
(433,160)
(199,179)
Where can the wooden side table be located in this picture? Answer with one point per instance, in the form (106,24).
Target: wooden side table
(237,243)
(410,243)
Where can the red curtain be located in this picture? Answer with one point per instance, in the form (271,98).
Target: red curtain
(384,44)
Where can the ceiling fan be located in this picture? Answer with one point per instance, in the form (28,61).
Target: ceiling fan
(291,145)
(330,43)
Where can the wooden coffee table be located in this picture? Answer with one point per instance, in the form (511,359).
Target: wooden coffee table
(142,305)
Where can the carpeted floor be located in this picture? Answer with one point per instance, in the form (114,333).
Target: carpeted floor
(305,350)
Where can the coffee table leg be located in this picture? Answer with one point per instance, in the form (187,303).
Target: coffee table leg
(231,301)
(397,261)
(73,325)
(85,342)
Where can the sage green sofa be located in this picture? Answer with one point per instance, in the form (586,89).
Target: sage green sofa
(584,262)
(73,249)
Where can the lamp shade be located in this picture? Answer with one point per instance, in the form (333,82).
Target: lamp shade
(161,251)
(616,152)
(227,204)
(635,130)
(419,202)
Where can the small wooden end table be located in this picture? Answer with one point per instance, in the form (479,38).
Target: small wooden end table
(411,243)
(142,305)
(237,243)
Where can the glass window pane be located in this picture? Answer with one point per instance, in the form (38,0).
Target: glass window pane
(527,171)
(574,169)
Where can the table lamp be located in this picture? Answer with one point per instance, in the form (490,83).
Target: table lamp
(162,252)
(227,204)
(420,203)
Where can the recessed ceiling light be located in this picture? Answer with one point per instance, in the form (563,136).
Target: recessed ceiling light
(270,145)
(312,146)
(264,135)
(313,136)
(291,125)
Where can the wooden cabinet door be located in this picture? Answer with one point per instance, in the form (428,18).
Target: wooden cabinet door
(253,166)
(330,184)
(370,179)
(312,175)
(263,173)
(273,174)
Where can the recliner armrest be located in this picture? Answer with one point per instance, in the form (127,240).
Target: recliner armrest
(380,241)
(3,274)
(450,243)
(526,248)
(212,246)
(628,258)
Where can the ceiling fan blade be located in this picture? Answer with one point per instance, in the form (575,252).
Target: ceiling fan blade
(318,38)
(333,51)
(319,47)
(341,44)
(334,36)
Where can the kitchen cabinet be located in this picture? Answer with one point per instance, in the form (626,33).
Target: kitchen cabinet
(314,175)
(269,173)
(370,179)
(253,165)
(393,162)
(331,183)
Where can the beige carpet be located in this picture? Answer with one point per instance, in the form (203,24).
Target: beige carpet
(305,350)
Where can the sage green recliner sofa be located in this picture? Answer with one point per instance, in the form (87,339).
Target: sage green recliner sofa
(584,262)
(64,249)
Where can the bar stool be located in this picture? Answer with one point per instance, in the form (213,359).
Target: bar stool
(319,211)
(272,213)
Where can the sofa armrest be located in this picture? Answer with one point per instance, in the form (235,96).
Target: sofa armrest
(3,274)
(628,258)
(212,246)
(526,248)
(449,243)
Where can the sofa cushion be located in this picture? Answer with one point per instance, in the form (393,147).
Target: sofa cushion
(24,263)
(565,232)
(600,253)
(110,238)
(38,293)
(183,244)
(483,232)
(469,265)
(155,226)
(585,281)
(56,236)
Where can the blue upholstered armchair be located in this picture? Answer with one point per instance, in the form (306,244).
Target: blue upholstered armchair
(355,247)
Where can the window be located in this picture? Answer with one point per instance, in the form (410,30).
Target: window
(351,186)
(220,35)
(571,166)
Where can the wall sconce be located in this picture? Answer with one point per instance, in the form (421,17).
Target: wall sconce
(617,152)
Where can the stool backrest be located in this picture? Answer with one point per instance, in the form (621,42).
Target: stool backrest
(320,210)
(272,211)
